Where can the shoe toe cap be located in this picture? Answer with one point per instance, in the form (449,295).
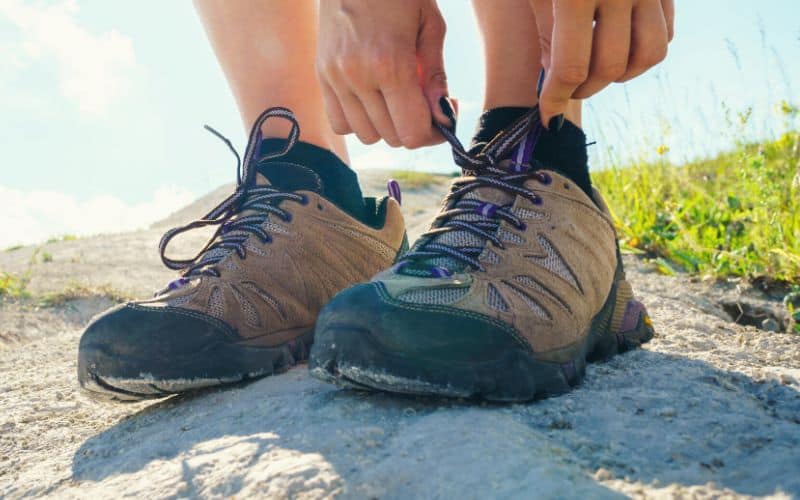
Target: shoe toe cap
(366,313)
(131,339)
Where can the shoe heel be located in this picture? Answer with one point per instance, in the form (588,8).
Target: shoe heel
(628,327)
(630,322)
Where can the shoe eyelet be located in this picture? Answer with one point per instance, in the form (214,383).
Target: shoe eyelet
(522,226)
(303,199)
(546,179)
(537,200)
(566,185)
(320,207)
(287,217)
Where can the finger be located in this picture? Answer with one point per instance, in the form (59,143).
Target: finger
(358,119)
(610,48)
(649,38)
(570,56)
(354,113)
(334,109)
(411,116)
(543,12)
(378,114)
(407,105)
(668,6)
(430,61)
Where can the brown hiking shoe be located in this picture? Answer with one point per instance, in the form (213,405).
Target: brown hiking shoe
(515,286)
(245,307)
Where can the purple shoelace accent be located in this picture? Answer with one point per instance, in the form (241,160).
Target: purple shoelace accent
(235,228)
(178,283)
(394,191)
(486,209)
(517,142)
(440,272)
(633,310)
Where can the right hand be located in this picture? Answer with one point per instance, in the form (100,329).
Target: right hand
(588,44)
(381,68)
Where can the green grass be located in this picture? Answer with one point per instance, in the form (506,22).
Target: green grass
(410,179)
(12,286)
(63,237)
(76,291)
(736,215)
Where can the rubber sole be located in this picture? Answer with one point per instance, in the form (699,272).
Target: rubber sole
(102,378)
(352,357)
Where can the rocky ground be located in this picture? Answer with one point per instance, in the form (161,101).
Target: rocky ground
(709,408)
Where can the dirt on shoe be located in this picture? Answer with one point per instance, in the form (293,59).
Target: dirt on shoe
(245,307)
(517,284)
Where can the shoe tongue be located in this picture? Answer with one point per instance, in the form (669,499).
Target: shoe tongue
(461,238)
(288,176)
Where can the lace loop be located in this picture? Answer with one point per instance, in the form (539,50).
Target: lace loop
(481,170)
(234,228)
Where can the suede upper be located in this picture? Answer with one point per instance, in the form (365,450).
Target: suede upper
(276,291)
(547,284)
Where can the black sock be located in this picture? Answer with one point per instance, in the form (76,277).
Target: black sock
(328,175)
(564,150)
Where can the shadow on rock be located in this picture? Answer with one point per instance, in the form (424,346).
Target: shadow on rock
(644,417)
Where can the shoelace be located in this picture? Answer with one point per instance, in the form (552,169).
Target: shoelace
(481,169)
(234,228)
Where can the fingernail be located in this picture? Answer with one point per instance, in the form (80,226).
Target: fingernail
(556,123)
(540,83)
(447,109)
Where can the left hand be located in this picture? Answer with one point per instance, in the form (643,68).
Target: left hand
(588,44)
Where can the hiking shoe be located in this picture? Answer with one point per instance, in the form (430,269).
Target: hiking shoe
(517,284)
(245,307)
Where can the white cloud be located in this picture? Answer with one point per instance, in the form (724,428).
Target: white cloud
(34,216)
(383,157)
(93,70)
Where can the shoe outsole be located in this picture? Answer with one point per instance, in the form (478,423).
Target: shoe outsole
(352,358)
(99,382)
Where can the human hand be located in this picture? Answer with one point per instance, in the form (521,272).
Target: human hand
(381,68)
(587,44)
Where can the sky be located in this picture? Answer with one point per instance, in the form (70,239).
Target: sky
(103,102)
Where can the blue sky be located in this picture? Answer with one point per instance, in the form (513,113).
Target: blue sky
(102,104)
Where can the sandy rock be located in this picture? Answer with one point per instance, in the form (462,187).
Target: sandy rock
(708,409)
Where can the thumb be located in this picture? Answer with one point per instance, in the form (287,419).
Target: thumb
(430,60)
(543,12)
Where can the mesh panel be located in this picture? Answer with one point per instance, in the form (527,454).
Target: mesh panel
(180,300)
(554,263)
(526,214)
(271,227)
(433,295)
(495,300)
(216,303)
(250,247)
(251,316)
(230,265)
(269,299)
(490,257)
(509,237)
(213,254)
(465,238)
(532,283)
(535,306)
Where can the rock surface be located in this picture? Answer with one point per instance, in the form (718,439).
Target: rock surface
(708,408)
